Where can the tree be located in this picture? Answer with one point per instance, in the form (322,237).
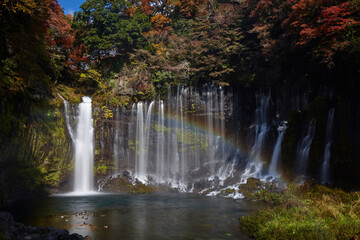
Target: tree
(60,40)
(325,26)
(106,30)
(24,65)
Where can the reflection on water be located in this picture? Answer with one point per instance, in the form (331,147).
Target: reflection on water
(153,216)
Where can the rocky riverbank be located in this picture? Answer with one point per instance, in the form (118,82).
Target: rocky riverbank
(11,230)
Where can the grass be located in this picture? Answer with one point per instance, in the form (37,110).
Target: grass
(306,212)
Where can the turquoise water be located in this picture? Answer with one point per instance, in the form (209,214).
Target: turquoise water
(151,216)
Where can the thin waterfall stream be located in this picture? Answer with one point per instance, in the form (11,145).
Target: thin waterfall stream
(325,169)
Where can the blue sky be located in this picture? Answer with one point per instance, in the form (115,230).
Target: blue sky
(70,6)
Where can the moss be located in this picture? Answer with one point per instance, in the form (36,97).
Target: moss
(256,190)
(191,140)
(226,192)
(125,185)
(141,188)
(307,212)
(103,167)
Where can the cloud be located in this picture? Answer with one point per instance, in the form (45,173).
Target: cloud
(69,11)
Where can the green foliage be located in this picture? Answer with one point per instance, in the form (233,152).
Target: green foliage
(307,212)
(255,190)
(161,80)
(106,30)
(103,167)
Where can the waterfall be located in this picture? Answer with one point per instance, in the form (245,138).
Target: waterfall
(143,128)
(275,159)
(160,158)
(328,141)
(209,112)
(117,141)
(67,118)
(261,126)
(303,148)
(182,142)
(140,142)
(84,149)
(84,146)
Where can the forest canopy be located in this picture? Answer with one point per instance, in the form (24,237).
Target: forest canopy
(166,42)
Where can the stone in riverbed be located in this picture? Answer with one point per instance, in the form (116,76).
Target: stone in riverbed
(9,229)
(75,236)
(56,234)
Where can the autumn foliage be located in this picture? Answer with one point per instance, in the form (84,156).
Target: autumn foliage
(190,40)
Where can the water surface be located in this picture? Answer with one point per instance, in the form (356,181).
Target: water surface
(151,216)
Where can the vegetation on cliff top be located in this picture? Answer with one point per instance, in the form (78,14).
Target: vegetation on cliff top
(150,44)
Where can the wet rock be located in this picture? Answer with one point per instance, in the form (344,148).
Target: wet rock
(6,224)
(6,217)
(75,236)
(58,234)
(14,230)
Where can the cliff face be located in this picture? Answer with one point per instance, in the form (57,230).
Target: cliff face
(37,152)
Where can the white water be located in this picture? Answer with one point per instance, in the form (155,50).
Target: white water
(182,141)
(255,165)
(84,150)
(67,118)
(117,142)
(276,156)
(303,148)
(325,178)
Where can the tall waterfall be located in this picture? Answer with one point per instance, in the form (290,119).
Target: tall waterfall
(328,141)
(303,148)
(84,146)
(273,170)
(84,150)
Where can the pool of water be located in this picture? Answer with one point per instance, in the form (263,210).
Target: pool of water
(125,216)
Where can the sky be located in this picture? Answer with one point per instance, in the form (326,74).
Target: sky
(70,6)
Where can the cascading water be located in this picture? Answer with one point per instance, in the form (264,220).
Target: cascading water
(167,145)
(84,146)
(261,127)
(160,153)
(84,149)
(328,141)
(67,118)
(117,141)
(182,141)
(275,159)
(303,149)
